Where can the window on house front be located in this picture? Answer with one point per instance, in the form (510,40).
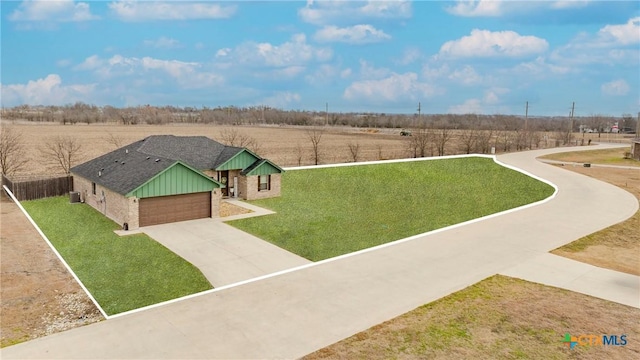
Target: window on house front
(264,182)
(93,188)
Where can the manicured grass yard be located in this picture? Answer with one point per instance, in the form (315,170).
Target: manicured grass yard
(328,212)
(122,273)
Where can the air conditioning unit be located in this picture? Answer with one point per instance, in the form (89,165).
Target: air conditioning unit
(74,197)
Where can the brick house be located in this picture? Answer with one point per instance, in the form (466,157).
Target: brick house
(166,178)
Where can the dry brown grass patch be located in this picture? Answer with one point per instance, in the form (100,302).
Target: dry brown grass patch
(497,318)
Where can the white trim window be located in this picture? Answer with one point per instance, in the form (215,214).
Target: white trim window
(264,182)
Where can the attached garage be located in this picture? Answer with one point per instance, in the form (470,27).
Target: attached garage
(168,209)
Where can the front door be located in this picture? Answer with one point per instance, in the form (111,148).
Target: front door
(224,179)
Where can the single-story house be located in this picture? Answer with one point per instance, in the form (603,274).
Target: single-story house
(165,178)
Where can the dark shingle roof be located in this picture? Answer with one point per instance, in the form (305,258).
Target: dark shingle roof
(125,169)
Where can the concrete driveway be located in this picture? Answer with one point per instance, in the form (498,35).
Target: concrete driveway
(224,254)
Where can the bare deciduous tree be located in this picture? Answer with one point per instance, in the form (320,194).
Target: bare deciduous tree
(12,153)
(354,151)
(63,151)
(441,137)
(419,142)
(315,136)
(299,154)
(233,137)
(115,140)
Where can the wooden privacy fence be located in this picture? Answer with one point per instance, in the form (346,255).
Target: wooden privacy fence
(38,189)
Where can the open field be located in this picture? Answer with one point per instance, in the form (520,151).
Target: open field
(607,157)
(497,318)
(122,273)
(357,207)
(286,146)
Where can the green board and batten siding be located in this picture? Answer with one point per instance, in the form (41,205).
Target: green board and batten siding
(265,168)
(241,160)
(175,180)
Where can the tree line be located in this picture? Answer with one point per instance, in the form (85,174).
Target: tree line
(265,115)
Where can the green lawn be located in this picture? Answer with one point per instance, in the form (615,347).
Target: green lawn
(122,273)
(324,213)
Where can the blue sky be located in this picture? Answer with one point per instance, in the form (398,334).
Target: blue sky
(486,57)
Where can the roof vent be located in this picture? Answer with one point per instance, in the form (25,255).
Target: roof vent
(99,173)
(122,163)
(157,160)
(148,157)
(126,151)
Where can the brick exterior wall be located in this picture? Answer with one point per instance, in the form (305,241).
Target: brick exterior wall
(249,187)
(113,205)
(121,209)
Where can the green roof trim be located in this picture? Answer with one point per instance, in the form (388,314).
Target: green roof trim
(263,167)
(240,161)
(177,179)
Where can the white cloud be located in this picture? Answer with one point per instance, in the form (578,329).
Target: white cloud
(539,67)
(433,73)
(466,76)
(491,99)
(396,87)
(154,10)
(91,63)
(470,106)
(327,12)
(409,56)
(569,4)
(612,44)
(281,100)
(475,8)
(501,8)
(46,91)
(63,63)
(484,43)
(189,75)
(358,34)
(625,34)
(162,43)
(368,71)
(615,88)
(52,11)
(290,53)
(323,74)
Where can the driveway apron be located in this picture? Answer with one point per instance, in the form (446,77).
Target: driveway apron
(224,254)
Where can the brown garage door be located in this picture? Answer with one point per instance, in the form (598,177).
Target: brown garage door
(167,209)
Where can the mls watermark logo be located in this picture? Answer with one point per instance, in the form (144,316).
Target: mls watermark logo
(594,340)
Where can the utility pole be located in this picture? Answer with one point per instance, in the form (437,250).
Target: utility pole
(326,113)
(526,116)
(419,116)
(638,127)
(573,107)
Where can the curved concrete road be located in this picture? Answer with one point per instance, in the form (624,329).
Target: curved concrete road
(290,315)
